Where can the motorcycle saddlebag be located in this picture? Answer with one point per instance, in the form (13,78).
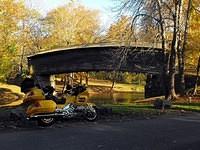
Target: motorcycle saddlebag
(40,107)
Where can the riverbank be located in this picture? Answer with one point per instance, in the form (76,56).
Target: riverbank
(118,87)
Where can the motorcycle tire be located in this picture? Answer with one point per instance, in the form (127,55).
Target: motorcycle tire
(45,122)
(91,114)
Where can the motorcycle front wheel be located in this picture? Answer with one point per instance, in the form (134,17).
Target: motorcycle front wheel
(44,122)
(91,114)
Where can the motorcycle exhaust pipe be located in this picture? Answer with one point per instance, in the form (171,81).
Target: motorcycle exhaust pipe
(46,115)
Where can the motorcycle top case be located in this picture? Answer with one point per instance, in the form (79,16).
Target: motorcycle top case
(40,107)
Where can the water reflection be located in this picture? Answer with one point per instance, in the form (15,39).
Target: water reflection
(115,98)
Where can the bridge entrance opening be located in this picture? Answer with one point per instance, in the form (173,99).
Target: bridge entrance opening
(104,87)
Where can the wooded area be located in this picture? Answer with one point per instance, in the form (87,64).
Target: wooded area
(174,23)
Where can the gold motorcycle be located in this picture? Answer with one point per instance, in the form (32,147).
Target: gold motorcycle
(47,111)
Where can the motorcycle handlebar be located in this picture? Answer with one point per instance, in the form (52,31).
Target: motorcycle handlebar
(74,91)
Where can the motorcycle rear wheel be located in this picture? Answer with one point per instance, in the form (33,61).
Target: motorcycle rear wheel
(44,122)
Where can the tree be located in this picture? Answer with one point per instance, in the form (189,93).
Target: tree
(121,31)
(11,12)
(193,46)
(32,33)
(167,15)
(72,24)
(17,29)
(182,41)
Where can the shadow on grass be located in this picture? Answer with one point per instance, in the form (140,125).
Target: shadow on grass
(7,96)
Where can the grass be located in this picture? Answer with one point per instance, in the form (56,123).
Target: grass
(148,108)
(187,107)
(131,108)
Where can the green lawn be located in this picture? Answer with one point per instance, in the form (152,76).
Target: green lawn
(131,108)
(148,108)
(187,107)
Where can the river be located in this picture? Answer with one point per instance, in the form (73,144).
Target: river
(115,98)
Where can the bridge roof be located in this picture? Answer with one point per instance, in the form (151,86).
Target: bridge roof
(144,45)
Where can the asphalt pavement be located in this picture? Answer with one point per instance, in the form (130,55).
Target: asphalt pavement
(163,133)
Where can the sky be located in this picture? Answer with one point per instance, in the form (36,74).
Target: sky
(104,7)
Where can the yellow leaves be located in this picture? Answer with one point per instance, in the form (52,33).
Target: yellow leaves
(120,31)
(193,44)
(14,19)
(11,13)
(12,10)
(71,24)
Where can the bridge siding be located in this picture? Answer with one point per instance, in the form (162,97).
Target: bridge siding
(96,59)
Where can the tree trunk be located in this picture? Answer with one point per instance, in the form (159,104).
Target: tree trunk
(172,71)
(65,84)
(81,78)
(181,78)
(181,75)
(113,80)
(164,56)
(172,61)
(181,52)
(197,78)
(21,61)
(174,48)
(181,81)
(86,78)
(22,54)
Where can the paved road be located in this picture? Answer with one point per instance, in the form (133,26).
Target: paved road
(165,133)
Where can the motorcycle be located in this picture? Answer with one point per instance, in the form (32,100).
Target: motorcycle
(47,111)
